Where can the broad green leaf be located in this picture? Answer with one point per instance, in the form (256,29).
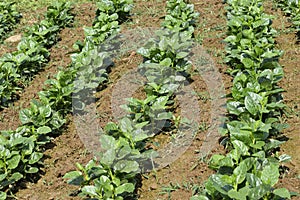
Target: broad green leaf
(164,116)
(282,192)
(124,151)
(166,62)
(125,125)
(44,130)
(90,190)
(214,161)
(2,195)
(72,174)
(272,144)
(258,145)
(235,108)
(252,103)
(222,183)
(126,166)
(270,174)
(240,172)
(15,177)
(75,177)
(35,157)
(239,195)
(32,170)
(259,192)
(182,55)
(25,116)
(108,157)
(285,158)
(241,147)
(107,142)
(231,39)
(126,187)
(248,63)
(13,162)
(3,176)
(253,180)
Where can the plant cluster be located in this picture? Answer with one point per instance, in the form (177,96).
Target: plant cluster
(22,149)
(251,167)
(292,9)
(180,16)
(32,52)
(113,173)
(9,18)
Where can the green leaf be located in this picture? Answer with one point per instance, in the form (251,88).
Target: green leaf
(15,177)
(90,190)
(13,162)
(44,130)
(272,144)
(166,62)
(248,63)
(75,177)
(126,187)
(182,55)
(35,157)
(108,157)
(270,174)
(235,108)
(126,166)
(253,180)
(2,195)
(282,192)
(107,142)
(285,158)
(214,161)
(25,116)
(3,176)
(252,103)
(221,183)
(72,174)
(239,195)
(241,147)
(164,115)
(32,170)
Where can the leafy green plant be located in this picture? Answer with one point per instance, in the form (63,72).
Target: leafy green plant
(9,17)
(250,169)
(170,49)
(180,17)
(18,67)
(22,149)
(292,9)
(58,91)
(120,7)
(124,143)
(112,176)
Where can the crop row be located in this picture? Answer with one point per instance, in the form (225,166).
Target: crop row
(251,167)
(113,173)
(32,52)
(292,9)
(9,18)
(22,149)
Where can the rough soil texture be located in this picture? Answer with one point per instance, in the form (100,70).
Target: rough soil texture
(290,60)
(179,179)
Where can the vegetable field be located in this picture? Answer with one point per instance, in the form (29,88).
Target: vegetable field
(149,99)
